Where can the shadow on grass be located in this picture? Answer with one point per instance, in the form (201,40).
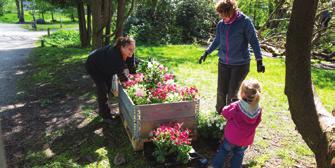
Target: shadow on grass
(54,123)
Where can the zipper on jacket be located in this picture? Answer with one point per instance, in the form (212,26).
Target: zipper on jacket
(227,44)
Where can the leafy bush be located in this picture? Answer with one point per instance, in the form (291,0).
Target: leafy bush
(174,22)
(63,39)
(211,125)
(153,22)
(196,19)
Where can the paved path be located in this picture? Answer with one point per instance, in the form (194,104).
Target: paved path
(15,46)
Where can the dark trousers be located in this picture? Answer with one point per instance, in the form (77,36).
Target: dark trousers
(230,78)
(103,84)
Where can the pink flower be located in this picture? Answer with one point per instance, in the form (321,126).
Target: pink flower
(168,76)
(139,92)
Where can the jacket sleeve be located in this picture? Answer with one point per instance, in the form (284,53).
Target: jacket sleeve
(228,111)
(216,40)
(251,35)
(132,64)
(122,76)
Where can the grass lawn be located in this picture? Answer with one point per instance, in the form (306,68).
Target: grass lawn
(52,26)
(11,17)
(60,71)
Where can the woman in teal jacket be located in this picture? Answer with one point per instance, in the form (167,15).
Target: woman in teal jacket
(234,33)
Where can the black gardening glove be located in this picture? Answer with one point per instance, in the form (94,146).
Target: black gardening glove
(203,57)
(260,66)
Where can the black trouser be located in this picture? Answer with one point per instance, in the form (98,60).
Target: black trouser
(103,84)
(230,78)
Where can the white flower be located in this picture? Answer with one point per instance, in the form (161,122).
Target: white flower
(221,127)
(149,65)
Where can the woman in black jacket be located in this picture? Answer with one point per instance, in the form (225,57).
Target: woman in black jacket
(105,62)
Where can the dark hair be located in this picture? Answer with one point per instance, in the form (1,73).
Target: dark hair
(123,41)
(226,7)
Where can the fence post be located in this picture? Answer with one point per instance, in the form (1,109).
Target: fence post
(42,43)
(48,32)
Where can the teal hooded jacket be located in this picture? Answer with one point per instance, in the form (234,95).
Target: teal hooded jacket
(233,39)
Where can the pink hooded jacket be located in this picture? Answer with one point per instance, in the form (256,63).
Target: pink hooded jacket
(240,128)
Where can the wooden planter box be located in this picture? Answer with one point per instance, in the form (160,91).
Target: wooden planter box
(139,120)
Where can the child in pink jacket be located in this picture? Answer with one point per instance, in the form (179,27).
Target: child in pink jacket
(243,117)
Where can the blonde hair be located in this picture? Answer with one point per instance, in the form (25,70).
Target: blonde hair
(226,7)
(250,90)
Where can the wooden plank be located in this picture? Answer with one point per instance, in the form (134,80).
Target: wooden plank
(167,111)
(136,143)
(139,120)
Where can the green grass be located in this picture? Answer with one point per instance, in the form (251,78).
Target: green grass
(56,66)
(11,17)
(52,26)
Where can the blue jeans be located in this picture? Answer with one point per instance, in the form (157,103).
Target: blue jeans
(224,150)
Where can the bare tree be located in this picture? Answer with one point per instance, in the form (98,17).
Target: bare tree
(97,24)
(82,24)
(120,18)
(21,20)
(101,15)
(20,11)
(313,122)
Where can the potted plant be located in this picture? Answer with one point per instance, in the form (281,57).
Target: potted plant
(152,97)
(171,143)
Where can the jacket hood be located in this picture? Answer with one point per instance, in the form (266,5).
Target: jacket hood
(249,119)
(237,16)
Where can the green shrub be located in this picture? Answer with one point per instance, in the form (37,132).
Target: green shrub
(196,19)
(63,39)
(211,125)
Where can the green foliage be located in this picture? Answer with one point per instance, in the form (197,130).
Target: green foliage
(171,141)
(196,19)
(174,22)
(3,3)
(211,125)
(63,38)
(154,23)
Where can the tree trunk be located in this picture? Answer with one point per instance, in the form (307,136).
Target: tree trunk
(17,2)
(21,20)
(89,25)
(43,15)
(82,24)
(52,16)
(108,13)
(120,18)
(72,17)
(255,13)
(313,123)
(97,24)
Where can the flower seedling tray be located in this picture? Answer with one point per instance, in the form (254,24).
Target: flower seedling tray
(140,120)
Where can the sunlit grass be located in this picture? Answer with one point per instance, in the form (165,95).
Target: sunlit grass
(52,26)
